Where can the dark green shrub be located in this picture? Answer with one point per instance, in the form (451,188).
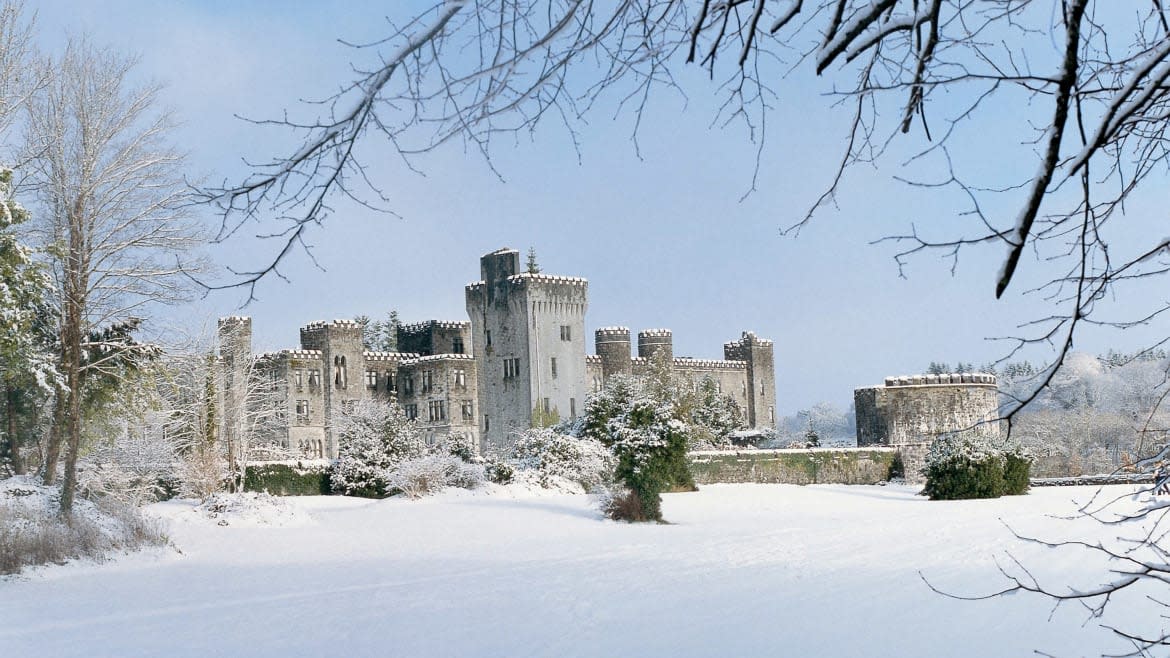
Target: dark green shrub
(282,479)
(971,465)
(499,472)
(897,468)
(1016,473)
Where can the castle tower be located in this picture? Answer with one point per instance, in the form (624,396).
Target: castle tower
(656,341)
(344,369)
(761,376)
(527,335)
(235,353)
(909,412)
(612,344)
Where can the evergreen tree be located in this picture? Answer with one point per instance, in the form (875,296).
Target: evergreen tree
(531,267)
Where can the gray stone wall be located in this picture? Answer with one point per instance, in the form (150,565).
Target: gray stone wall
(441,385)
(761,376)
(804,466)
(612,345)
(435,337)
(909,412)
(344,367)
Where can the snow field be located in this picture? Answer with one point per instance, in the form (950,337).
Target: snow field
(740,570)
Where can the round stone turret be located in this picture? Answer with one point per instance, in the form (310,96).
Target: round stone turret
(613,346)
(656,341)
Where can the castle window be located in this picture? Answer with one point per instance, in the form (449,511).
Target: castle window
(511,368)
(572,407)
(487,423)
(566,332)
(743,389)
(411,411)
(371,379)
(460,377)
(547,406)
(487,334)
(314,378)
(391,385)
(340,376)
(299,379)
(457,345)
(408,385)
(428,383)
(554,367)
(772,415)
(468,409)
(302,412)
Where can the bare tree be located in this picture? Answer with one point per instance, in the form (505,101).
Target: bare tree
(1090,77)
(111,216)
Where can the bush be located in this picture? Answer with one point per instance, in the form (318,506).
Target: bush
(32,533)
(622,504)
(972,465)
(1016,473)
(289,479)
(427,475)
(499,472)
(373,438)
(554,458)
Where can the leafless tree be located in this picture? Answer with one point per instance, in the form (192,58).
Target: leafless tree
(111,215)
(1090,77)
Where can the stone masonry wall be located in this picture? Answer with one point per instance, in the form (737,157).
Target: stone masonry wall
(805,466)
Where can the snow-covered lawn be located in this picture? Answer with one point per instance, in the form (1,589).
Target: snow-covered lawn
(742,570)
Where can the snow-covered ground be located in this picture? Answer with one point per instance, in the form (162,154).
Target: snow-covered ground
(741,570)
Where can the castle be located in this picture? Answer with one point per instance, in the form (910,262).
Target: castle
(520,358)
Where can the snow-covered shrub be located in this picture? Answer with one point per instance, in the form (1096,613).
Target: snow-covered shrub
(619,503)
(499,471)
(202,472)
(555,458)
(432,473)
(974,465)
(373,438)
(456,445)
(32,532)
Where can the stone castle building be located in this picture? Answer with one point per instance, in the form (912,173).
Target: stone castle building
(909,412)
(521,356)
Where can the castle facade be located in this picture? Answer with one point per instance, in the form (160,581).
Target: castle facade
(520,359)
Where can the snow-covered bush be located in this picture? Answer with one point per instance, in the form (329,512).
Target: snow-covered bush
(498,471)
(555,459)
(974,465)
(428,474)
(32,532)
(373,438)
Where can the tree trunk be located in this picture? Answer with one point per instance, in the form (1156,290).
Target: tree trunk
(11,396)
(56,430)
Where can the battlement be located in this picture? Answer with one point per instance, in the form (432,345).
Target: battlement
(655,333)
(389,356)
(427,325)
(612,331)
(474,286)
(337,324)
(434,358)
(525,278)
(592,359)
(234,319)
(748,338)
(688,362)
(948,379)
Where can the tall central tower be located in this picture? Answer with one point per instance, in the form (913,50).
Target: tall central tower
(528,335)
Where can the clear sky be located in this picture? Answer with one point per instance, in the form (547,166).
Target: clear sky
(665,239)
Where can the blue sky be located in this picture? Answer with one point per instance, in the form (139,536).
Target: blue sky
(665,239)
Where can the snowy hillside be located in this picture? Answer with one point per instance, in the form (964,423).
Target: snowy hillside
(741,570)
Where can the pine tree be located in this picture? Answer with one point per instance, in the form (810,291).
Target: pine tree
(531,267)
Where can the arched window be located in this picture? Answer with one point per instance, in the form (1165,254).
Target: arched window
(340,378)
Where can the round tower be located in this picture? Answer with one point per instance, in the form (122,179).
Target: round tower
(655,341)
(612,344)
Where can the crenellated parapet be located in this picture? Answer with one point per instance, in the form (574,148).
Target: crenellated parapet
(910,411)
(947,379)
(656,341)
(685,363)
(389,357)
(431,325)
(436,358)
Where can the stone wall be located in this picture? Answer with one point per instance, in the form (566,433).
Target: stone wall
(788,466)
